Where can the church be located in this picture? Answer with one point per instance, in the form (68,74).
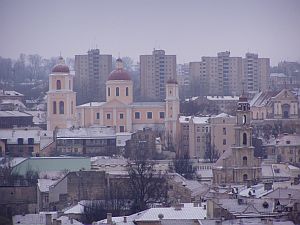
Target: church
(238,164)
(118,111)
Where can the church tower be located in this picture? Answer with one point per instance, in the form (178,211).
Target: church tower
(172,111)
(61,99)
(239,165)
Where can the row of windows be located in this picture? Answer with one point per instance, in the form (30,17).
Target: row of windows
(137,115)
(118,91)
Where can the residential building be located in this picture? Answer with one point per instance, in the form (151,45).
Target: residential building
(238,163)
(156,70)
(89,141)
(91,73)
(10,119)
(225,75)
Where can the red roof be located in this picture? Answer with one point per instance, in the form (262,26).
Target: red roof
(61,68)
(119,74)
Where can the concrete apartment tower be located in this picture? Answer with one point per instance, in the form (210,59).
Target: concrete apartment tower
(156,70)
(238,164)
(91,73)
(172,112)
(61,99)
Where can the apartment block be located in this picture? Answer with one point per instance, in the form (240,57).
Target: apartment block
(156,70)
(226,75)
(91,73)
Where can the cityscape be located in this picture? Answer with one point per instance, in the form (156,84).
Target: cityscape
(150,112)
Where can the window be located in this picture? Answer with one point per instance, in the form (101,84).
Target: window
(224,130)
(58,85)
(108,91)
(70,84)
(244,139)
(137,115)
(54,107)
(122,129)
(161,115)
(108,116)
(97,116)
(245,177)
(72,107)
(149,115)
(224,141)
(20,141)
(244,119)
(117,91)
(30,141)
(61,107)
(198,139)
(245,161)
(121,116)
(127,91)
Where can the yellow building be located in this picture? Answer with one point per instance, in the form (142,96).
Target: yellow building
(118,111)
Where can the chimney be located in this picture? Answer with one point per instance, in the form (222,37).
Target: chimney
(204,206)
(109,218)
(178,206)
(125,219)
(48,219)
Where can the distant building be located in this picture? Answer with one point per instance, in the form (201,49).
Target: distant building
(10,119)
(225,75)
(119,111)
(91,73)
(156,70)
(275,105)
(238,164)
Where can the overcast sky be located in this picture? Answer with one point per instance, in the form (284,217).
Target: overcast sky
(189,29)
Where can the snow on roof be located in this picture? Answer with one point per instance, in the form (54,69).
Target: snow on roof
(201,120)
(44,184)
(14,114)
(277,75)
(91,104)
(12,162)
(88,133)
(223,98)
(10,93)
(184,119)
(39,117)
(12,135)
(222,115)
(187,212)
(15,102)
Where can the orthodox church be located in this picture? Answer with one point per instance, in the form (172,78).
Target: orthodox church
(238,164)
(118,111)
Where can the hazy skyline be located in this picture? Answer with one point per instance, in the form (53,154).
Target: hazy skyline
(188,29)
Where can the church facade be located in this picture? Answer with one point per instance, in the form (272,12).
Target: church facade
(118,111)
(238,164)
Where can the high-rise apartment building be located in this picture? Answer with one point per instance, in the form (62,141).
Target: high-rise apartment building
(256,73)
(225,75)
(156,70)
(91,73)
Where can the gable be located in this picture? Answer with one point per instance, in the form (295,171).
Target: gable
(285,95)
(115,104)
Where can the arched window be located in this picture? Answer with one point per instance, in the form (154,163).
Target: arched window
(245,161)
(58,85)
(108,91)
(245,177)
(54,107)
(117,91)
(70,85)
(61,107)
(244,139)
(244,119)
(127,91)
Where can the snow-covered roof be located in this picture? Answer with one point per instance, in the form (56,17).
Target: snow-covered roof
(14,114)
(223,98)
(10,93)
(223,115)
(184,119)
(12,135)
(285,140)
(91,104)
(44,184)
(201,120)
(87,133)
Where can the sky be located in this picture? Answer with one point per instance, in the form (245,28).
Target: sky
(189,29)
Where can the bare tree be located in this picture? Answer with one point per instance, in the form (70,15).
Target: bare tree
(147,185)
(184,167)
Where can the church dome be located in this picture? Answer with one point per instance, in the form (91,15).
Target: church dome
(61,67)
(119,73)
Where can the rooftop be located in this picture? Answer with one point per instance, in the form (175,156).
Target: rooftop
(87,133)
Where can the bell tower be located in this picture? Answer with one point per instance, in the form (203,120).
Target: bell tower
(172,111)
(61,99)
(246,167)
